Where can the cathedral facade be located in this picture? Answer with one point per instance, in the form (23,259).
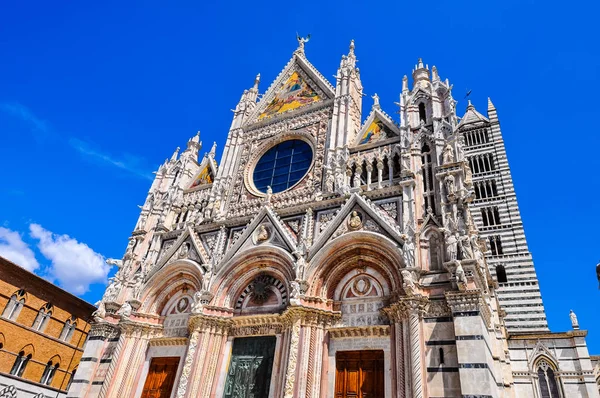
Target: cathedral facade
(332,253)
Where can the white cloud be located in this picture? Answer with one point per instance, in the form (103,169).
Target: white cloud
(16,250)
(22,112)
(129,163)
(74,265)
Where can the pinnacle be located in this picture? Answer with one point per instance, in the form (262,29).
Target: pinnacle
(490,104)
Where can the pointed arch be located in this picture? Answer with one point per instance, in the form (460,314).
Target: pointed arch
(352,251)
(15,304)
(548,381)
(434,243)
(235,276)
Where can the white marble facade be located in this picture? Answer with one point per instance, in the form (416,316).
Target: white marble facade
(386,240)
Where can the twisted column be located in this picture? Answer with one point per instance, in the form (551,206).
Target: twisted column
(415,354)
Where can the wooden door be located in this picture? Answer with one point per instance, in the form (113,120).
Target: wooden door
(161,377)
(359,374)
(249,374)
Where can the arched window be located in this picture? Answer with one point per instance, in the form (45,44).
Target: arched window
(422,113)
(501,274)
(547,380)
(42,318)
(49,372)
(20,364)
(14,305)
(68,330)
(428,187)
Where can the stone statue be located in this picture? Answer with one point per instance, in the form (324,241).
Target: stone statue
(100,313)
(408,279)
(112,291)
(197,304)
(301,41)
(408,251)
(574,322)
(451,245)
(447,154)
(184,250)
(405,162)
(461,278)
(375,101)
(138,281)
(329,181)
(598,274)
(465,247)
(460,153)
(269,194)
(449,183)
(468,176)
(113,261)
(262,234)
(355,222)
(125,310)
(295,292)
(206,279)
(300,266)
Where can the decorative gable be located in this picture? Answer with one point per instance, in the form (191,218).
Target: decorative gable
(378,127)
(298,85)
(207,173)
(295,93)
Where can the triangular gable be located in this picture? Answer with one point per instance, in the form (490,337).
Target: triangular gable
(298,85)
(195,252)
(378,127)
(207,173)
(278,235)
(380,218)
(472,117)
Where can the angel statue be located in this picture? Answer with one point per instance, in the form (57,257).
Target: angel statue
(301,41)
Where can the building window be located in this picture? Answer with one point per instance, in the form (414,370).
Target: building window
(495,245)
(68,330)
(486,189)
(547,380)
(20,364)
(49,372)
(42,318)
(441,352)
(282,166)
(14,305)
(482,163)
(476,137)
(501,274)
(422,113)
(428,187)
(490,216)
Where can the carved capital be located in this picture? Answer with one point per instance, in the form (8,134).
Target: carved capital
(201,322)
(104,329)
(469,301)
(407,306)
(309,317)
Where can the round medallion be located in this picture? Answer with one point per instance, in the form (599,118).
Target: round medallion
(182,304)
(362,285)
(282,166)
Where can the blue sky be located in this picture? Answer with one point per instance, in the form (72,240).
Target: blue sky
(94,96)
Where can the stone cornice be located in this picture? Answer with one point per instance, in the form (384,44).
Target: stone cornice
(363,331)
(547,335)
(168,341)
(469,301)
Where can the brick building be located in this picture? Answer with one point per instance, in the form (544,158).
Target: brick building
(42,333)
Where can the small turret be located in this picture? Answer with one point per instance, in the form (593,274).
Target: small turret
(420,73)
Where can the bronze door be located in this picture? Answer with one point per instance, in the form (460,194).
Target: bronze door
(161,377)
(249,374)
(359,374)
